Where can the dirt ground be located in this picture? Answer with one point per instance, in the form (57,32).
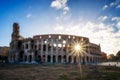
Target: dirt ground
(57,72)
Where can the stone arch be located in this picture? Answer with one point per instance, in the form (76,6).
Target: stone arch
(25,58)
(43,58)
(70,59)
(44,47)
(54,58)
(59,59)
(64,58)
(30,58)
(83,59)
(48,58)
(87,58)
(21,54)
(75,59)
(39,58)
(36,53)
(90,59)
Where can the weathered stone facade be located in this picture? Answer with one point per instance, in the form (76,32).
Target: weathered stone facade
(50,48)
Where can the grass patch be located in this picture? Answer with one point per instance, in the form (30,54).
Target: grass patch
(57,72)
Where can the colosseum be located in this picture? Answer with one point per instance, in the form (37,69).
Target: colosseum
(51,48)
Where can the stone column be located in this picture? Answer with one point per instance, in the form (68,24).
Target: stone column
(46,58)
(72,59)
(46,46)
(77,58)
(33,57)
(56,58)
(51,51)
(51,59)
(41,47)
(81,60)
(92,59)
(27,58)
(67,55)
(62,59)
(57,51)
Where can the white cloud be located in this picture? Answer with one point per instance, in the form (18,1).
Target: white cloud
(66,8)
(103,18)
(118,6)
(60,4)
(56,4)
(118,25)
(28,15)
(112,4)
(104,7)
(115,19)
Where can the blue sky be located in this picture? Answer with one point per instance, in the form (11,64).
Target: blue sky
(99,20)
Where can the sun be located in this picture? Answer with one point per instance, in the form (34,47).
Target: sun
(78,47)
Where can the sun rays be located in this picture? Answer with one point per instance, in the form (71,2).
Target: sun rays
(79,47)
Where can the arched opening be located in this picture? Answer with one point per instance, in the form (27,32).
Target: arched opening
(44,47)
(21,56)
(35,47)
(39,58)
(75,59)
(43,58)
(87,58)
(64,58)
(30,58)
(83,59)
(54,59)
(59,59)
(25,57)
(90,59)
(70,59)
(19,45)
(36,53)
(49,47)
(48,58)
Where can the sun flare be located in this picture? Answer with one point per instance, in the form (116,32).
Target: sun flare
(79,47)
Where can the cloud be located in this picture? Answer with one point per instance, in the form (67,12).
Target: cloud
(112,4)
(104,7)
(28,15)
(58,27)
(115,3)
(118,6)
(96,32)
(115,19)
(103,18)
(60,4)
(118,24)
(56,4)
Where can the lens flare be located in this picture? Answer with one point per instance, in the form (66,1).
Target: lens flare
(79,48)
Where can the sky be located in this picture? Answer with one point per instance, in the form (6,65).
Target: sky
(99,20)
